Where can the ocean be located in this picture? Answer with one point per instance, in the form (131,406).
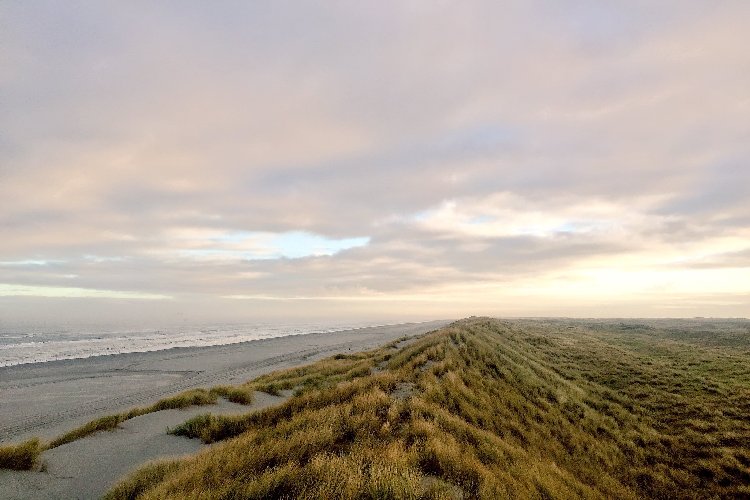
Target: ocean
(34,344)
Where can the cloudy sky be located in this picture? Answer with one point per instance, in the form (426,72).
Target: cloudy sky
(375,160)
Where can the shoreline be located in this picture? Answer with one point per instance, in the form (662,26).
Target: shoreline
(313,332)
(47,398)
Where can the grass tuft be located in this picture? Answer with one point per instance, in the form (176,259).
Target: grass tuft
(193,397)
(239,395)
(107,423)
(23,456)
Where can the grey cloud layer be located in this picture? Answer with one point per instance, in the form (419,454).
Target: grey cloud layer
(124,123)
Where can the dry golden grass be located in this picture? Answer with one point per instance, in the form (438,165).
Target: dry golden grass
(23,456)
(193,397)
(491,409)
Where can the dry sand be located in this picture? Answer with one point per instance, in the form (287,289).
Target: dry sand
(47,399)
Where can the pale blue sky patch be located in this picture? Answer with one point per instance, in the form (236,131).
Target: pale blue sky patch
(299,244)
(249,245)
(554,228)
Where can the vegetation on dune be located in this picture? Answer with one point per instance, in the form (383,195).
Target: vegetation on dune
(239,395)
(491,409)
(25,456)
(147,476)
(306,381)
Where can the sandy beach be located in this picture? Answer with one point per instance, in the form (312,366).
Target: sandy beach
(47,399)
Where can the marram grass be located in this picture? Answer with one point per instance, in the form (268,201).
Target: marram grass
(193,397)
(490,409)
(23,456)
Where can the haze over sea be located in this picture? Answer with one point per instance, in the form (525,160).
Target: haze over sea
(27,343)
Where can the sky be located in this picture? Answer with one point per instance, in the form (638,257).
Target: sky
(382,161)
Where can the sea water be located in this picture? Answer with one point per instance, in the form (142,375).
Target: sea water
(34,344)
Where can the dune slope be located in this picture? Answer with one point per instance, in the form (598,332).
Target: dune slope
(491,409)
